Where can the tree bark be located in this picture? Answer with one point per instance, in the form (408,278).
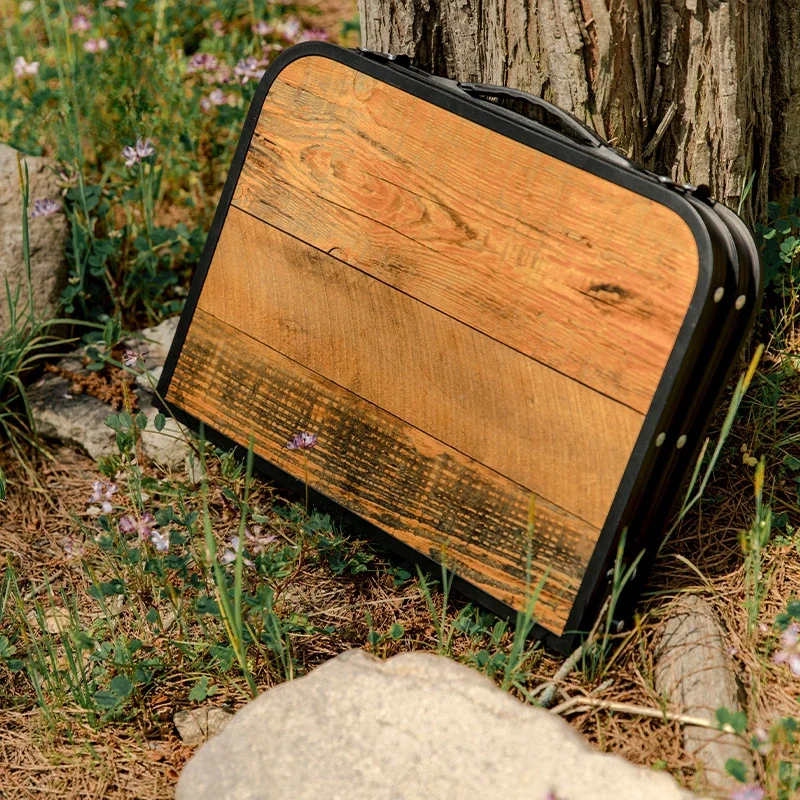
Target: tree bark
(705,91)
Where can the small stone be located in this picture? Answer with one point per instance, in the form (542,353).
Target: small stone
(55,619)
(694,671)
(415,726)
(196,725)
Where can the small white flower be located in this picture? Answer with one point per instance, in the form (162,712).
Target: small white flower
(160,541)
(95,45)
(23,68)
(229,554)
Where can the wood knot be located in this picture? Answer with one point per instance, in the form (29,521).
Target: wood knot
(609,292)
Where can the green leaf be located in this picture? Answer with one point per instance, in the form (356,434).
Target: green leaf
(15,665)
(105,700)
(201,690)
(737,720)
(792,462)
(736,769)
(141,420)
(159,422)
(224,656)
(783,226)
(3,485)
(121,687)
(207,605)
(112,421)
(397,631)
(112,587)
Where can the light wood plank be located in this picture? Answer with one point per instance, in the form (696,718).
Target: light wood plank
(409,484)
(561,440)
(576,272)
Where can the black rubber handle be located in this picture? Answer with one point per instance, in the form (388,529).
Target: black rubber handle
(583,133)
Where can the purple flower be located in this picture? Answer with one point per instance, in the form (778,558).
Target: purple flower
(103,493)
(129,154)
(81,23)
(143,526)
(202,62)
(218,27)
(302,441)
(248,68)
(314,34)
(749,793)
(216,98)
(790,652)
(23,68)
(136,153)
(262,28)
(95,45)
(144,149)
(72,547)
(130,358)
(257,543)
(45,208)
(229,555)
(288,29)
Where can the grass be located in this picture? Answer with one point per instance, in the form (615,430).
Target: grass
(105,634)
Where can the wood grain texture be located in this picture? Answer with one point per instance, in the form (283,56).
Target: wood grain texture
(557,438)
(419,490)
(565,267)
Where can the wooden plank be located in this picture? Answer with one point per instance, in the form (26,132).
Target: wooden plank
(419,490)
(556,437)
(572,270)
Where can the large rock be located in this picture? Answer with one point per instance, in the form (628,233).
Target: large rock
(415,726)
(47,237)
(695,673)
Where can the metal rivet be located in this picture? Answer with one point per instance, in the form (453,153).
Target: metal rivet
(660,439)
(740,301)
(718,293)
(681,441)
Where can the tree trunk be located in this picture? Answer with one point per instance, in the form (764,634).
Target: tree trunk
(702,90)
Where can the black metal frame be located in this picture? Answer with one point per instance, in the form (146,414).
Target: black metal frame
(689,345)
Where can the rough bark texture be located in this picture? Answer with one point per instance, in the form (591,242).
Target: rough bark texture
(703,90)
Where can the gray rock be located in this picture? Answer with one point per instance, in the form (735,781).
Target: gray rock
(166,447)
(696,675)
(79,420)
(47,237)
(415,726)
(75,420)
(197,725)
